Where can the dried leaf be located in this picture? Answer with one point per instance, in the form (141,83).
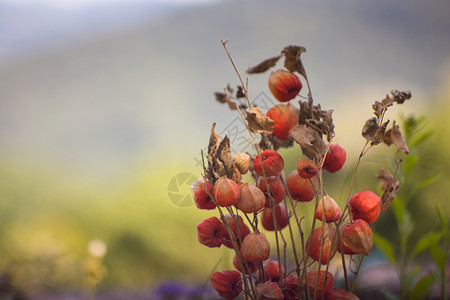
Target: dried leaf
(308,111)
(377,138)
(220,161)
(221,97)
(258,121)
(305,112)
(369,128)
(379,107)
(385,177)
(214,142)
(231,104)
(264,65)
(398,139)
(225,163)
(230,89)
(327,118)
(240,92)
(237,176)
(387,137)
(292,60)
(309,140)
(316,118)
(400,96)
(390,185)
(319,126)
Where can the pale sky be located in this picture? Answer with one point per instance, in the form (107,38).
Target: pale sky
(78,3)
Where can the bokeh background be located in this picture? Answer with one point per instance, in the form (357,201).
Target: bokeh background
(105,106)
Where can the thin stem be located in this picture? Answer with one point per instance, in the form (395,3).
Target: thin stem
(244,87)
(341,248)
(363,152)
(294,249)
(302,236)
(356,273)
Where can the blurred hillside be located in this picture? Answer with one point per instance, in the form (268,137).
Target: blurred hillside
(112,98)
(93,129)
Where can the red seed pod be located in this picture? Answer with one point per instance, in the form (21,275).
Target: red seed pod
(226,191)
(253,267)
(252,199)
(211,232)
(345,248)
(269,291)
(272,271)
(337,294)
(306,168)
(326,281)
(276,186)
(285,117)
(284,85)
(332,210)
(335,158)
(291,291)
(228,284)
(316,241)
(243,231)
(281,215)
(201,197)
(366,205)
(358,237)
(272,161)
(301,189)
(255,247)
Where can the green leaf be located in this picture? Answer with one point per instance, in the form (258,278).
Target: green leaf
(421,138)
(424,243)
(406,226)
(422,287)
(441,218)
(398,209)
(438,257)
(409,163)
(427,181)
(385,246)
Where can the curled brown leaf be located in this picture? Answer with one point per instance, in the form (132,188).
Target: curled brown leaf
(292,60)
(390,185)
(221,97)
(377,138)
(220,161)
(258,121)
(398,139)
(240,92)
(379,107)
(264,65)
(309,140)
(369,128)
(224,160)
(400,96)
(327,118)
(319,126)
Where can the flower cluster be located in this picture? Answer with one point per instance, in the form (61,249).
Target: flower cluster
(271,202)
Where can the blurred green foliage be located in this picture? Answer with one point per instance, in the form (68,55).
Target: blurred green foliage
(47,222)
